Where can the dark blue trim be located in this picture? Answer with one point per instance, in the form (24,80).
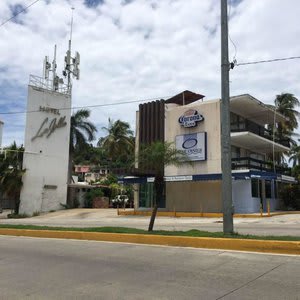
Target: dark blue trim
(200,177)
(132,180)
(216,176)
(263,175)
(241,176)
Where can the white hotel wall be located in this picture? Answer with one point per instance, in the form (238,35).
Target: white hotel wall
(46,158)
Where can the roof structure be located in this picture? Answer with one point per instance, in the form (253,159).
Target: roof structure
(254,110)
(184,98)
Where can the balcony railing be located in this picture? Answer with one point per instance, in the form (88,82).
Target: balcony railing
(259,130)
(250,163)
(47,84)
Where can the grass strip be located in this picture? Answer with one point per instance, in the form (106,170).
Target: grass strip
(191,233)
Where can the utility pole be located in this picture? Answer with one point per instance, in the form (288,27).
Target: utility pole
(225,126)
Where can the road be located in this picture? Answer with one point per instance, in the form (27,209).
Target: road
(277,225)
(34,268)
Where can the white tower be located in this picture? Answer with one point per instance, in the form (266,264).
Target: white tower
(47,136)
(46,153)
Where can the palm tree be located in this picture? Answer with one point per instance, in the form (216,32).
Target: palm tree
(82,131)
(153,158)
(295,155)
(119,141)
(285,104)
(11,173)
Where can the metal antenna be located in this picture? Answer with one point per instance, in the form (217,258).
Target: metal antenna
(71,32)
(70,46)
(71,63)
(54,66)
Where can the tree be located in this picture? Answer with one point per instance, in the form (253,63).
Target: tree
(295,155)
(82,131)
(154,158)
(119,141)
(290,195)
(118,145)
(286,105)
(90,154)
(11,173)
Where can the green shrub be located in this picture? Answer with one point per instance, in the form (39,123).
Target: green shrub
(91,195)
(65,206)
(17,216)
(76,203)
(290,195)
(36,213)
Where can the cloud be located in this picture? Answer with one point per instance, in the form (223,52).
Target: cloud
(144,49)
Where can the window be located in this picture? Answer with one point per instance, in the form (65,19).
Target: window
(147,194)
(234,121)
(268,189)
(255,188)
(237,122)
(235,152)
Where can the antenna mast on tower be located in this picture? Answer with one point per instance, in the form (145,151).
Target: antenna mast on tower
(54,66)
(71,63)
(48,67)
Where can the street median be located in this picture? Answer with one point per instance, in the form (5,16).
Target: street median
(266,246)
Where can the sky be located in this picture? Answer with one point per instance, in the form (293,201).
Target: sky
(145,49)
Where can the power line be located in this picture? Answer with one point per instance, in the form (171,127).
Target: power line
(86,106)
(266,61)
(21,11)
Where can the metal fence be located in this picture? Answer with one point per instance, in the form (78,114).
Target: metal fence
(47,84)
(6,203)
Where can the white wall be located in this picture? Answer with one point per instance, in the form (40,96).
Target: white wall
(242,197)
(274,204)
(211,125)
(46,157)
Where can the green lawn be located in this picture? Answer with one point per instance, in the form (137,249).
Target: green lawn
(192,233)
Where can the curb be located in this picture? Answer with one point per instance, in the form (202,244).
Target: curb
(266,246)
(121,212)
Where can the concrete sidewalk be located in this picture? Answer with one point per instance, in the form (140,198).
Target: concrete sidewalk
(277,225)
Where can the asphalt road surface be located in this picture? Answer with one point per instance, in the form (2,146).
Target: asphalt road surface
(277,225)
(34,268)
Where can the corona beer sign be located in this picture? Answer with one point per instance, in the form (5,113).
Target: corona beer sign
(190,118)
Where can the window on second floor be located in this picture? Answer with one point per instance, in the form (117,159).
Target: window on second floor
(235,152)
(237,122)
